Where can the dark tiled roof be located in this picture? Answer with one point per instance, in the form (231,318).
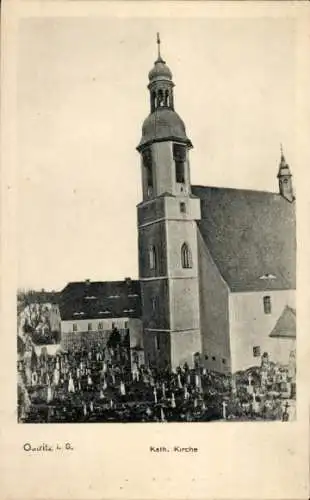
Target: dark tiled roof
(285,327)
(251,237)
(101,299)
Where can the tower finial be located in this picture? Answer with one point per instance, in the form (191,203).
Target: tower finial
(158,46)
(281,149)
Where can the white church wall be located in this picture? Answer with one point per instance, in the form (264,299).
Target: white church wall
(250,327)
(280,349)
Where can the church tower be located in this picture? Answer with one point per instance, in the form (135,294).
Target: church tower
(167,231)
(285,179)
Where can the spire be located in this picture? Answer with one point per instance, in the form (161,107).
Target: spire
(161,84)
(282,162)
(160,69)
(159,58)
(158,48)
(285,178)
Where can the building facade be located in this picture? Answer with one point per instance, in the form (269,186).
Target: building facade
(91,311)
(216,265)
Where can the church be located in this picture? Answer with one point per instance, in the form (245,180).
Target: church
(217,266)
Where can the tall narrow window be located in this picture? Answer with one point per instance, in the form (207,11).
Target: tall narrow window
(179,156)
(153,101)
(160,98)
(89,327)
(167,98)
(186,257)
(147,163)
(74,327)
(100,325)
(154,304)
(179,172)
(156,338)
(267,304)
(182,207)
(152,258)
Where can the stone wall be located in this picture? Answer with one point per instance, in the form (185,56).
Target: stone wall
(214,313)
(76,340)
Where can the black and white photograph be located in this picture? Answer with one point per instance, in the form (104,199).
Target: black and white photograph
(156,220)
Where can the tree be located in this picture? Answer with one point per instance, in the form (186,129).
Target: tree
(114,339)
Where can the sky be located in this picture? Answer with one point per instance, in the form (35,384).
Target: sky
(81,100)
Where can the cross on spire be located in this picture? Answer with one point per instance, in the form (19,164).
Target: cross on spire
(158,41)
(283,161)
(158,45)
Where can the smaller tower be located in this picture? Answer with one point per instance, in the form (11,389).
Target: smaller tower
(285,179)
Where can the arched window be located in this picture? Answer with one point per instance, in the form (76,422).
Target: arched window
(186,257)
(152,257)
(153,101)
(167,98)
(160,98)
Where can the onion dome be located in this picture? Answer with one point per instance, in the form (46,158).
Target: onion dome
(163,124)
(160,71)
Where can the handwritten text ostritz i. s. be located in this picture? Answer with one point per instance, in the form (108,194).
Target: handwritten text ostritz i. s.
(47,447)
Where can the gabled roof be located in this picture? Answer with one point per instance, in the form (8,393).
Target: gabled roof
(285,327)
(251,237)
(100,300)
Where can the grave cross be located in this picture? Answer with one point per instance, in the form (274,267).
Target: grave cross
(224,404)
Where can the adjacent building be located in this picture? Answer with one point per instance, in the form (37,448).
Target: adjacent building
(91,310)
